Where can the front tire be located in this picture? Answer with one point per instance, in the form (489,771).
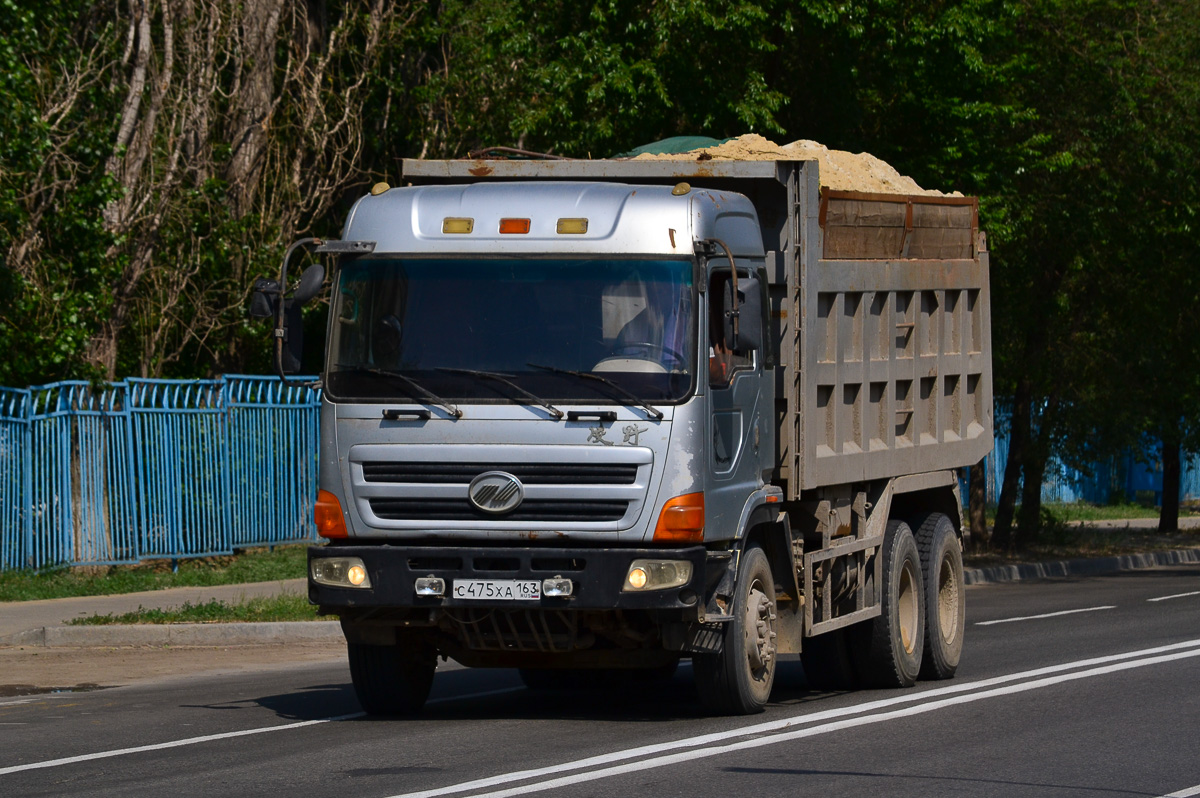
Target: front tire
(887,650)
(945,596)
(738,679)
(392,680)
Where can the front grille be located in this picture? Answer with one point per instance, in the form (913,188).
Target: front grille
(528,473)
(550,510)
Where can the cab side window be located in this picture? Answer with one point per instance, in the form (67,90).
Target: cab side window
(723,361)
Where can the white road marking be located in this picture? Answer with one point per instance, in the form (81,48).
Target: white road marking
(18,701)
(1046,615)
(920,709)
(1185,793)
(70,760)
(786,723)
(761,728)
(1177,595)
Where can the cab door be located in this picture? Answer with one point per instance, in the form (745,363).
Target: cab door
(737,401)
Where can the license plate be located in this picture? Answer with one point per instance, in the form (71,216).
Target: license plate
(497,589)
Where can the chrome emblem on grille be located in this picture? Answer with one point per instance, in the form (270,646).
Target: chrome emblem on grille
(496,492)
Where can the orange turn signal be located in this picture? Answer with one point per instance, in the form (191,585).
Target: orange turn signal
(517,226)
(681,520)
(328,515)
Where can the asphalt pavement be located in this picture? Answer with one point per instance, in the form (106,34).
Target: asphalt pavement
(1067,687)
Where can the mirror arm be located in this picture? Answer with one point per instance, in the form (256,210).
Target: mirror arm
(280,327)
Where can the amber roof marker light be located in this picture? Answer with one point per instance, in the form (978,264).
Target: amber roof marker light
(514,226)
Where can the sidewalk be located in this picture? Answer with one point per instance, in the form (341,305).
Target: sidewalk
(44,623)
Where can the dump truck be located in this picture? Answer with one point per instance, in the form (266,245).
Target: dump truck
(586,416)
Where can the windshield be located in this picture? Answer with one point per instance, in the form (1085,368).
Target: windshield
(531,321)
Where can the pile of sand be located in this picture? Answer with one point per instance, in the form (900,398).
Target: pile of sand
(840,170)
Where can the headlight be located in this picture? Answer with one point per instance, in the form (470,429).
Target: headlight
(657,574)
(339,572)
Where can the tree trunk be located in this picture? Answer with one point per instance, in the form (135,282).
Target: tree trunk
(976,505)
(1029,520)
(1033,468)
(258,34)
(1168,517)
(1019,434)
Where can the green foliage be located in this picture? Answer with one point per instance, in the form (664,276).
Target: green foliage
(253,565)
(259,609)
(598,78)
(1075,121)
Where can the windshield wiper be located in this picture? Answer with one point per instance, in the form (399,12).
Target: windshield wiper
(629,397)
(491,375)
(418,389)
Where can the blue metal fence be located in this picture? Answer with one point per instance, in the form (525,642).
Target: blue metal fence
(1120,479)
(147,469)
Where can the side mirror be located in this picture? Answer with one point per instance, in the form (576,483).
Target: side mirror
(749,308)
(262,301)
(311,282)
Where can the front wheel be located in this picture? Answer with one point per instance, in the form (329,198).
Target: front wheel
(392,680)
(738,679)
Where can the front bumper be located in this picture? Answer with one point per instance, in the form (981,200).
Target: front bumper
(598,576)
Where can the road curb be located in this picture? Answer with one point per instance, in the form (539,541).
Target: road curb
(179,634)
(1089,567)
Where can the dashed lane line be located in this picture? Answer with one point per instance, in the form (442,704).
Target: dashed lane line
(1045,615)
(1177,595)
(1185,793)
(70,760)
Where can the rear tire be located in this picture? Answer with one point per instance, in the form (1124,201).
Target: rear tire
(945,597)
(887,650)
(392,680)
(738,679)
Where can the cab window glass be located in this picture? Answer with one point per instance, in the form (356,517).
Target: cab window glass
(723,362)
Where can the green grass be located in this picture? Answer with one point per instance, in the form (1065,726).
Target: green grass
(1084,511)
(285,607)
(250,565)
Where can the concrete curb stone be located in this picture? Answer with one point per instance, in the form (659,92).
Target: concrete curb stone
(179,634)
(1085,567)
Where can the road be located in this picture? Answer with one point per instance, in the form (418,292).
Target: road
(1067,688)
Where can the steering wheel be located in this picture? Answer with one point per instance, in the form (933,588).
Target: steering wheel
(648,347)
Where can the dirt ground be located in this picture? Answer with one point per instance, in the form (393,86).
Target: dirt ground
(35,669)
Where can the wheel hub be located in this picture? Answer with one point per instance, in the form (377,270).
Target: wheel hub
(760,629)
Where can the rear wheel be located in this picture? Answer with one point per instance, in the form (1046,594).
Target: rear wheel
(945,598)
(738,679)
(887,649)
(392,680)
